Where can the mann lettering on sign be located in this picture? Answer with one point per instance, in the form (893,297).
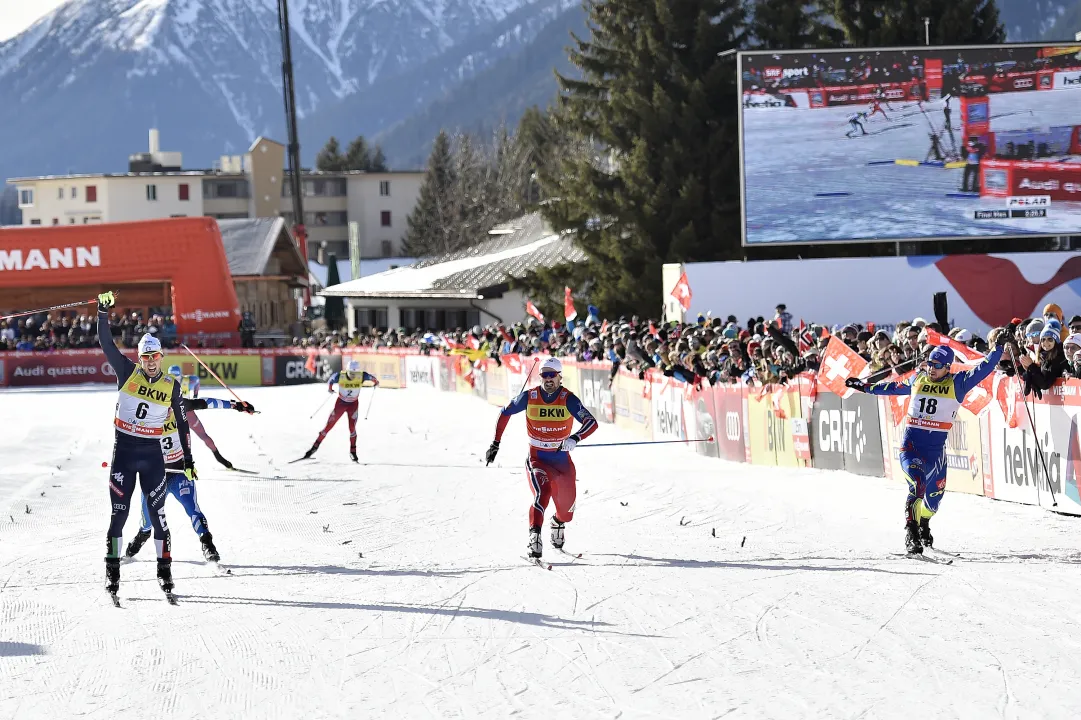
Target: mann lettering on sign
(35,259)
(1023,467)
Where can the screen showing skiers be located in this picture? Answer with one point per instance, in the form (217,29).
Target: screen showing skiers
(903,144)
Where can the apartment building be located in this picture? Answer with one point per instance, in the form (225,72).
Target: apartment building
(252,185)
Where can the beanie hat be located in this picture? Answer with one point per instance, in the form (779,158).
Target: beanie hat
(942,354)
(1050,332)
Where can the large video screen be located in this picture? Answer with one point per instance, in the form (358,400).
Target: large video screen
(911,143)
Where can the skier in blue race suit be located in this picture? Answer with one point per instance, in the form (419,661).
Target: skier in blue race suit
(936,394)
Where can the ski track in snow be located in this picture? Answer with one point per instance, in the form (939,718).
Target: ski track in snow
(812,618)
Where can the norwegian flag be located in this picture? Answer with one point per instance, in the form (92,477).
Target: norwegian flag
(532,310)
(806,338)
(840,363)
(682,292)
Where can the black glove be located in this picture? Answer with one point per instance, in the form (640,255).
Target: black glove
(1000,341)
(856,384)
(244,406)
(493,450)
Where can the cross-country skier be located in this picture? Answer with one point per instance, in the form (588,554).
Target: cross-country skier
(189,389)
(936,394)
(179,485)
(146,398)
(550,411)
(349,384)
(876,107)
(854,122)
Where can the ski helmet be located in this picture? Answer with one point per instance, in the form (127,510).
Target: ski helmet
(175,371)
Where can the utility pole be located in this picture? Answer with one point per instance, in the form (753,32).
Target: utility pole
(293,150)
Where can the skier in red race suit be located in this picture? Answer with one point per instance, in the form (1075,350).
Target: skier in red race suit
(349,384)
(550,411)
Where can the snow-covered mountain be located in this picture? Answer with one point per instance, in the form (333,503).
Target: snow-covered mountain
(80,87)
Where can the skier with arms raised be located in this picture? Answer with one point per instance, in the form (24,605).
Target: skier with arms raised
(179,484)
(936,394)
(189,389)
(146,399)
(550,412)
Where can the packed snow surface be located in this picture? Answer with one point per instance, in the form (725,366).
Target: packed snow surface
(398,588)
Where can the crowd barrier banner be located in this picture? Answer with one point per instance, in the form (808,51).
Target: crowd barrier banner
(770,434)
(496,388)
(863,434)
(730,412)
(827,432)
(596,392)
(705,421)
(420,371)
(293,369)
(632,405)
(43,369)
(389,368)
(667,402)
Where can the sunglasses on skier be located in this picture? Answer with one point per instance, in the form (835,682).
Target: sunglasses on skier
(549,374)
(152,355)
(937,365)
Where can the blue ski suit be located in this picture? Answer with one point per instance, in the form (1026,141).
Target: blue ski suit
(931,412)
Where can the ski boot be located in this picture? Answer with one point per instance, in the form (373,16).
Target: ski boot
(222,460)
(913,544)
(112,575)
(165,574)
(137,543)
(311,450)
(353,456)
(209,551)
(535,547)
(925,533)
(557,533)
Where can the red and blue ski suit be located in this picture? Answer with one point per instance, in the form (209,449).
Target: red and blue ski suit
(931,412)
(549,421)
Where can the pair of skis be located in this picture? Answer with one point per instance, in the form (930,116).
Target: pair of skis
(933,555)
(539,562)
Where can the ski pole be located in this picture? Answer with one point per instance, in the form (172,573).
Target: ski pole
(54,307)
(371,399)
(527,376)
(643,442)
(212,373)
(320,406)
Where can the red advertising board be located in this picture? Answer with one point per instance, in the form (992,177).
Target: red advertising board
(41,369)
(731,425)
(932,74)
(1003,178)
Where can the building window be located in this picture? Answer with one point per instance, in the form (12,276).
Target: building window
(229,216)
(151,192)
(384,218)
(86,220)
(60,193)
(328,219)
(178,215)
(26,198)
(322,187)
(56,221)
(35,221)
(71,221)
(74,193)
(384,188)
(385,247)
(182,189)
(225,188)
(91,193)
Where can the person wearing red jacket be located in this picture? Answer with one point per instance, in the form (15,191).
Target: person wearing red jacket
(550,410)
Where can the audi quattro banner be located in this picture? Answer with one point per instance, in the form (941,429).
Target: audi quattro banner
(90,366)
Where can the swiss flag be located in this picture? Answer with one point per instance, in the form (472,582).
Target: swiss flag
(568,305)
(310,365)
(979,397)
(839,363)
(682,292)
(513,362)
(532,310)
(777,397)
(899,403)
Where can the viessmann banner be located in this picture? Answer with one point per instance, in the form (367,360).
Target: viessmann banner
(185,252)
(888,144)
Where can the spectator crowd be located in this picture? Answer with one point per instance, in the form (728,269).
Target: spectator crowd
(758,350)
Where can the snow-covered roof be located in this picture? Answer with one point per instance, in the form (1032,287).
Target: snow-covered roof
(510,252)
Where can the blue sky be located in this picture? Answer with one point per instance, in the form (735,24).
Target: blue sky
(17,15)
